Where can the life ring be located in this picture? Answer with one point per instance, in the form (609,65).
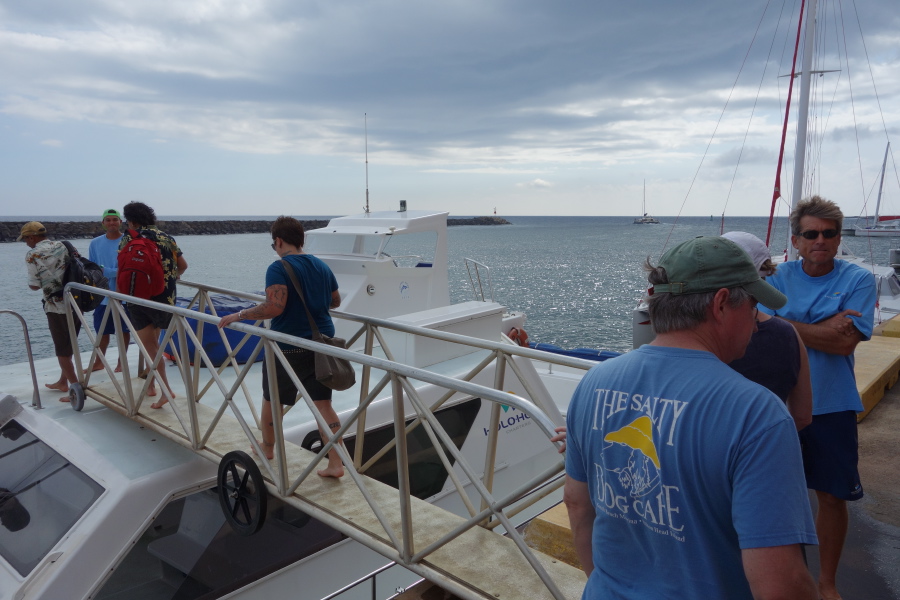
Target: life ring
(519,336)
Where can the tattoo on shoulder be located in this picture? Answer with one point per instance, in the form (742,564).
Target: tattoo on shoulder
(278,297)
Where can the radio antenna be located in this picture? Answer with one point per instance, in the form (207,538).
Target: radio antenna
(366,126)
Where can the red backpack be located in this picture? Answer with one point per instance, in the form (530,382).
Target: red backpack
(140,268)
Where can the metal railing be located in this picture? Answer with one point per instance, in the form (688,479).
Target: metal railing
(372,579)
(406,397)
(476,283)
(36,395)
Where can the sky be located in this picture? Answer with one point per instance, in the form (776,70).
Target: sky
(526,107)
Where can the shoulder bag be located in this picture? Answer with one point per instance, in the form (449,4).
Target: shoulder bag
(331,371)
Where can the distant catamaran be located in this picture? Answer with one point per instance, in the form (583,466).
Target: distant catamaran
(646,219)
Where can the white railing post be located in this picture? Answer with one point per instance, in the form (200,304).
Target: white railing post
(490,457)
(363,393)
(184,368)
(281,481)
(402,469)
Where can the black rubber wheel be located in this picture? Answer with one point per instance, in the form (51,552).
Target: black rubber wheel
(242,493)
(76,396)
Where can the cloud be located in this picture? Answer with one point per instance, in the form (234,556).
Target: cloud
(535,184)
(745,155)
(52,143)
(485,93)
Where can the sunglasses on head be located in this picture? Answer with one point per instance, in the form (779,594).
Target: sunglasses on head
(812,234)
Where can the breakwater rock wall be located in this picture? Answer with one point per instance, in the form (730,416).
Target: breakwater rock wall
(70,230)
(479,221)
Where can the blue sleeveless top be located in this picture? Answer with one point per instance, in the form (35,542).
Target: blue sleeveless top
(772,358)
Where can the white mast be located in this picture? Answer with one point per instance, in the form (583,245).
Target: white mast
(803,115)
(366,124)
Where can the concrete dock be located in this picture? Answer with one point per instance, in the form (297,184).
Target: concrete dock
(877,365)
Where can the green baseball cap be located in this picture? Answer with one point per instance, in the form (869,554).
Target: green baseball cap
(708,264)
(111,212)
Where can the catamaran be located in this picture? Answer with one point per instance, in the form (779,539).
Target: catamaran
(645,219)
(445,445)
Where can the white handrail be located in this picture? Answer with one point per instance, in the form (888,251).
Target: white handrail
(36,395)
(480,288)
(400,377)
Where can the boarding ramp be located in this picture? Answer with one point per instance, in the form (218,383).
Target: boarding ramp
(462,555)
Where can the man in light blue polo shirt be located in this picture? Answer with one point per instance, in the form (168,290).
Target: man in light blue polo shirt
(104,250)
(831,303)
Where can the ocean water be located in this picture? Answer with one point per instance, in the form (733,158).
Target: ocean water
(577,279)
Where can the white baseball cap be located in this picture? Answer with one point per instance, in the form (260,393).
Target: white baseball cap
(753,246)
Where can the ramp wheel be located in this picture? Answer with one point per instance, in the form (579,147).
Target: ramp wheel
(76,396)
(242,493)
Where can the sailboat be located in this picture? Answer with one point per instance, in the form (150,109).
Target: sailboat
(883,226)
(886,278)
(645,219)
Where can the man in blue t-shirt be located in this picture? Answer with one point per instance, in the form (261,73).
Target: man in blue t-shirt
(684,479)
(104,250)
(295,315)
(832,306)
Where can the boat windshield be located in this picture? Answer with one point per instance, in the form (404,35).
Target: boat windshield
(339,243)
(407,250)
(42,495)
(190,552)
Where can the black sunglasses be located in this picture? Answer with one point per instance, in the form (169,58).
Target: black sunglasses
(812,234)
(273,245)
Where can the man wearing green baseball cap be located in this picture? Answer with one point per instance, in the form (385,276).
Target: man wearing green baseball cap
(104,250)
(674,461)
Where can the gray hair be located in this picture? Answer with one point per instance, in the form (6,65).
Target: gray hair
(679,312)
(818,207)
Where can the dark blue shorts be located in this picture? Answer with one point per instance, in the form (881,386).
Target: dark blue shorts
(302,362)
(830,455)
(110,328)
(143,316)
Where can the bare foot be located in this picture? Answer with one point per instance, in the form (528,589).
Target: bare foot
(268,450)
(162,402)
(828,592)
(151,391)
(64,399)
(59,386)
(331,471)
(98,366)
(118,367)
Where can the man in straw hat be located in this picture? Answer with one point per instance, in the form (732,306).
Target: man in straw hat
(684,479)
(46,261)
